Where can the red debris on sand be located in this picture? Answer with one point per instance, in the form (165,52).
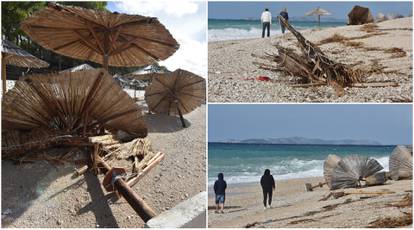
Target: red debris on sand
(263,78)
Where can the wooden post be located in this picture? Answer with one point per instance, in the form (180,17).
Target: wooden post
(319,21)
(106,51)
(3,76)
(133,199)
(181,116)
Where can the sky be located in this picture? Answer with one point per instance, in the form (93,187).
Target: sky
(186,21)
(387,123)
(339,10)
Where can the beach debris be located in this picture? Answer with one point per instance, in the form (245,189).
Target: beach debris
(309,187)
(312,67)
(393,222)
(351,170)
(340,194)
(111,39)
(72,104)
(176,93)
(328,166)
(263,78)
(13,55)
(401,163)
(378,178)
(360,15)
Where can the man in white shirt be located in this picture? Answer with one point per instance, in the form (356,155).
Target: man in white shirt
(266,21)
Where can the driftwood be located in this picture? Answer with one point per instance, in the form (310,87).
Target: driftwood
(337,195)
(309,187)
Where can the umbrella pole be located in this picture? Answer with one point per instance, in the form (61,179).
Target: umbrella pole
(105,61)
(181,116)
(319,21)
(3,76)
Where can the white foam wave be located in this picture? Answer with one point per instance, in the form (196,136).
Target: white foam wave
(236,33)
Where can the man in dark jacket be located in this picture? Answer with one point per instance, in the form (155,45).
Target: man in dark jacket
(284,14)
(220,190)
(268,185)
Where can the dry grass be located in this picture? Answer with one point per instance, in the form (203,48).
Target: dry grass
(396,52)
(353,44)
(393,222)
(334,38)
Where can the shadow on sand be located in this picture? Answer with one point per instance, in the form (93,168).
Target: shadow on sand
(162,123)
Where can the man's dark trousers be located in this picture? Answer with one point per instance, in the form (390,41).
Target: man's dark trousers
(266,26)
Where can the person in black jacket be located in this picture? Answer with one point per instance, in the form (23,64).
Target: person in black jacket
(268,185)
(284,14)
(220,190)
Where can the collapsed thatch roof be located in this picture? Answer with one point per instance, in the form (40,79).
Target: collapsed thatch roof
(401,163)
(328,166)
(13,55)
(350,170)
(71,102)
(127,40)
(180,89)
(360,15)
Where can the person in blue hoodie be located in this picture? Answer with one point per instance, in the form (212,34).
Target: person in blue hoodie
(220,190)
(268,185)
(284,14)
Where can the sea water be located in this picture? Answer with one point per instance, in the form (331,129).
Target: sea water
(243,163)
(225,29)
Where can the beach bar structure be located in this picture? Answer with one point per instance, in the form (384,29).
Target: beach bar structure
(13,55)
(110,39)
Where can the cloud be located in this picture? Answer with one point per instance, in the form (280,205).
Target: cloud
(187,22)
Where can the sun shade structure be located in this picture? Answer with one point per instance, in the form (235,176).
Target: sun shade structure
(78,68)
(401,163)
(359,15)
(318,12)
(13,55)
(351,170)
(111,39)
(177,93)
(72,103)
(328,166)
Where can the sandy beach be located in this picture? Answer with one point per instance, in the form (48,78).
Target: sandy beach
(232,73)
(294,207)
(45,195)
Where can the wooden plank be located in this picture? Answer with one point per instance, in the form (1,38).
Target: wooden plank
(375,84)
(151,164)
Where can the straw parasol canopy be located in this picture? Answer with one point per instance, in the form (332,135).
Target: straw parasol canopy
(318,12)
(401,163)
(13,55)
(81,67)
(73,103)
(328,166)
(351,170)
(111,39)
(176,93)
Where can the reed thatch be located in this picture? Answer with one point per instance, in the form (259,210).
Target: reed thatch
(351,170)
(78,68)
(13,55)
(401,163)
(72,103)
(179,91)
(312,67)
(100,36)
(359,15)
(328,166)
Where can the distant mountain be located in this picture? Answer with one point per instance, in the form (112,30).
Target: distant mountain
(303,141)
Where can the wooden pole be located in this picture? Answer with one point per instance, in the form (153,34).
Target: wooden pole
(181,116)
(133,199)
(106,50)
(3,76)
(319,21)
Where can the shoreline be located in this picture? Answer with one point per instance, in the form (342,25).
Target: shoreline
(293,207)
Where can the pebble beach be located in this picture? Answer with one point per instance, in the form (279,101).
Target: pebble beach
(232,74)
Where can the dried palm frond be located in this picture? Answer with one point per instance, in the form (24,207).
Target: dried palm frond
(351,170)
(71,103)
(401,163)
(328,166)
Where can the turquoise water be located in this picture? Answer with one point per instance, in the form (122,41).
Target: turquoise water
(246,162)
(224,29)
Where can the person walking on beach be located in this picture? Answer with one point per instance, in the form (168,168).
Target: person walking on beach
(284,14)
(266,21)
(268,185)
(220,190)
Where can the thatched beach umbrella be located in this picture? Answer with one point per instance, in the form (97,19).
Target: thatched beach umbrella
(176,93)
(13,55)
(359,15)
(111,39)
(328,166)
(72,103)
(78,68)
(401,163)
(318,12)
(351,170)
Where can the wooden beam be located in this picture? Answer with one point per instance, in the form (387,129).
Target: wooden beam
(3,75)
(159,42)
(87,43)
(92,30)
(66,44)
(123,47)
(151,164)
